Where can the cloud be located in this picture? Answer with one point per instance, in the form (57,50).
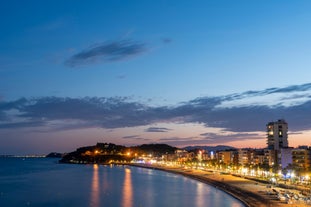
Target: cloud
(92,112)
(4,105)
(131,137)
(186,141)
(135,137)
(268,91)
(3,116)
(119,112)
(107,52)
(166,40)
(286,96)
(211,138)
(157,129)
(174,139)
(230,137)
(121,76)
(252,118)
(21,125)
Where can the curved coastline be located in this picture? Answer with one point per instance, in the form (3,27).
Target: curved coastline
(234,186)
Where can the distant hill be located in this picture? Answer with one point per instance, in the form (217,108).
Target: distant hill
(54,155)
(105,152)
(210,148)
(155,149)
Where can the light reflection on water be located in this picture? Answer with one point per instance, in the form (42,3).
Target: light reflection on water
(43,182)
(196,192)
(200,196)
(95,188)
(127,197)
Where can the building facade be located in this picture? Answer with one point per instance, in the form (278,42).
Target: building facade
(286,158)
(301,159)
(277,135)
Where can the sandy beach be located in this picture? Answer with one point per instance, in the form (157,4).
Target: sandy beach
(250,192)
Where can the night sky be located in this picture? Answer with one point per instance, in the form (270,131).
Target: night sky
(74,73)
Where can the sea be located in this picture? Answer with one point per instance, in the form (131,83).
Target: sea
(43,182)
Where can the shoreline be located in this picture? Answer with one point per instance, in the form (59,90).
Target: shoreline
(249,192)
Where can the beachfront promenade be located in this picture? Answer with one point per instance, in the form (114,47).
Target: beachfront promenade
(251,192)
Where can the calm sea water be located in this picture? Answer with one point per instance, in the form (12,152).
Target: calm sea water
(44,182)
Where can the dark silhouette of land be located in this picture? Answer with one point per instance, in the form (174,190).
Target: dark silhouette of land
(105,153)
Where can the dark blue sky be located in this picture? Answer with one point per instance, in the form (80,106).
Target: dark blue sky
(130,72)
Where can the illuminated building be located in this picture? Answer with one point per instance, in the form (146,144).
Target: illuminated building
(277,135)
(301,158)
(226,157)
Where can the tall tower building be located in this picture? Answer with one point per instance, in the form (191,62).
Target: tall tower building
(277,135)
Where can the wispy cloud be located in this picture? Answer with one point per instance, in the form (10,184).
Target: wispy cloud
(119,112)
(135,137)
(131,137)
(273,97)
(211,138)
(185,141)
(157,129)
(166,40)
(288,89)
(22,125)
(173,139)
(231,136)
(107,52)
(121,76)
